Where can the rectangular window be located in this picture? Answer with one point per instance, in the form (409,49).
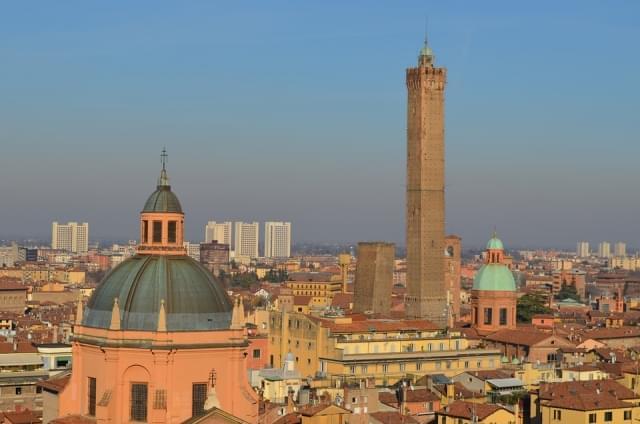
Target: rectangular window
(157,232)
(138,409)
(256,353)
(364,369)
(18,390)
(402,366)
(198,397)
(503,316)
(627,415)
(592,418)
(352,369)
(172,231)
(145,231)
(488,316)
(608,416)
(419,366)
(385,368)
(92,396)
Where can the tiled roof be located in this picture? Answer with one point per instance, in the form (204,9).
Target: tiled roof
(416,395)
(612,333)
(588,402)
(20,347)
(380,325)
(520,337)
(22,417)
(568,389)
(462,409)
(74,419)
(392,417)
(56,384)
(10,285)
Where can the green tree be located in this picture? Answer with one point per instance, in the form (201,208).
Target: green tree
(244,280)
(530,305)
(568,291)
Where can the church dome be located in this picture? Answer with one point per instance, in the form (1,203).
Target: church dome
(494,277)
(163,200)
(495,243)
(193,300)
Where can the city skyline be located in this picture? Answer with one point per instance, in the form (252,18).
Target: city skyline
(526,98)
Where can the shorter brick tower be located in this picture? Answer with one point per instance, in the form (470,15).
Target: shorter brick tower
(374,278)
(494,297)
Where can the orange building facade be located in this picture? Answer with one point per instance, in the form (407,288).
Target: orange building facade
(159,340)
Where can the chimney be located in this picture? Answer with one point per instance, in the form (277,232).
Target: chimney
(451,392)
(403,401)
(291,407)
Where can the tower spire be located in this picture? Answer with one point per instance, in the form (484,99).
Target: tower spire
(426,57)
(164,179)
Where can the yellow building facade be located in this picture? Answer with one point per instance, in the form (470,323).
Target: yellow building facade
(339,349)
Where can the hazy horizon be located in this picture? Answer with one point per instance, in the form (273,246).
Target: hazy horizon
(296,112)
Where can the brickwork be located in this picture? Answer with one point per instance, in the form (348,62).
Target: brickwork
(374,277)
(425,225)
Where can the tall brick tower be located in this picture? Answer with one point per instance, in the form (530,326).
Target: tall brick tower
(426,292)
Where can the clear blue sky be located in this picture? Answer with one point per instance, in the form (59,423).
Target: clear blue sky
(296,111)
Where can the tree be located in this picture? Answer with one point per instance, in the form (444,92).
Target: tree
(530,305)
(568,291)
(244,280)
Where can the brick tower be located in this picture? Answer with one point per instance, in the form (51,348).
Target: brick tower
(426,293)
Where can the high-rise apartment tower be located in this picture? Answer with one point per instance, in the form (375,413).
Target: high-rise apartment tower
(246,238)
(218,231)
(72,237)
(620,249)
(426,293)
(277,239)
(582,249)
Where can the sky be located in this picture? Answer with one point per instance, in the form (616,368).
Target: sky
(289,110)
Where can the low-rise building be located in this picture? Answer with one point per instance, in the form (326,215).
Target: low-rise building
(462,412)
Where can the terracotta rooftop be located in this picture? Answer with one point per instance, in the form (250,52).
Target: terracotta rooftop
(10,285)
(588,402)
(528,337)
(392,417)
(311,411)
(380,325)
(466,410)
(56,384)
(20,347)
(22,417)
(612,333)
(576,389)
(73,419)
(416,395)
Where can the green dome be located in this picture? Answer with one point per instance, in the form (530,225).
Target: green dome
(193,299)
(162,200)
(426,51)
(495,243)
(494,277)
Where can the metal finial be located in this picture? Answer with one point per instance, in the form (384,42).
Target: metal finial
(163,158)
(163,180)
(426,30)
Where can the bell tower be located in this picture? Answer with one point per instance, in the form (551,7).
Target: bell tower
(425,214)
